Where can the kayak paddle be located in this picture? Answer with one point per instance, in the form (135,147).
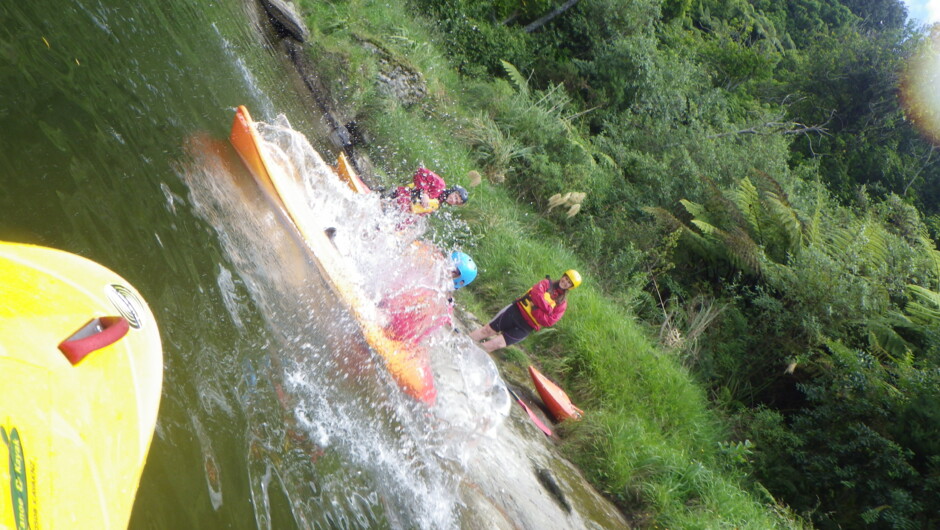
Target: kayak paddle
(535,419)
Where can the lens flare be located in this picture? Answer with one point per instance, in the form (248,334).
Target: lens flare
(920,87)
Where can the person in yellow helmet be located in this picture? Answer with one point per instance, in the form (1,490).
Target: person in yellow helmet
(541,306)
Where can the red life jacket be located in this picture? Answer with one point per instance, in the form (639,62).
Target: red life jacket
(539,306)
(423,180)
(415,314)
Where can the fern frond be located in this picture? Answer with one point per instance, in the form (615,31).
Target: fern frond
(931,298)
(748,201)
(926,315)
(522,84)
(698,244)
(697,210)
(707,228)
(742,251)
(665,217)
(885,342)
(724,211)
(875,247)
(777,274)
(773,188)
(925,295)
(935,259)
(788,222)
(838,241)
(813,230)
(925,307)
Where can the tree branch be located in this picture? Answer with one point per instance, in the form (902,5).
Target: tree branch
(774,127)
(544,20)
(921,170)
(511,18)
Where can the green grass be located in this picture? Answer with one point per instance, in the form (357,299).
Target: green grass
(649,439)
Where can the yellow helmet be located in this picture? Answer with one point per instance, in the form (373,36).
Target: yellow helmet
(574,276)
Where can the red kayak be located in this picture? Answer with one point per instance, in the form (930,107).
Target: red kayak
(555,399)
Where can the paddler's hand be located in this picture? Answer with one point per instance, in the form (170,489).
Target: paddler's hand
(425,201)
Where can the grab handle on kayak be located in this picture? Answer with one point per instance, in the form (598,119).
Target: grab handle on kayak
(98,333)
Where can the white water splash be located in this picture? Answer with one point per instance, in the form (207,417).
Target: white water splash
(402,462)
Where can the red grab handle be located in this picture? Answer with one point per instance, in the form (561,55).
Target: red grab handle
(96,334)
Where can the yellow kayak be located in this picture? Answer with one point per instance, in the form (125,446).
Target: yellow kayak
(82,373)
(409,363)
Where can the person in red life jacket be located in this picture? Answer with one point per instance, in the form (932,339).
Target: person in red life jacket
(427,193)
(416,312)
(542,306)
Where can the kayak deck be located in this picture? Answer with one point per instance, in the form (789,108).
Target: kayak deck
(82,367)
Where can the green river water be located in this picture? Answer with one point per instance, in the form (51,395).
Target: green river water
(102,103)
(115,116)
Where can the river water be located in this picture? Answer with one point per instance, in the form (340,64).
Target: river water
(115,118)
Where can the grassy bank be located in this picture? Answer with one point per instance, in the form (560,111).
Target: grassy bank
(649,439)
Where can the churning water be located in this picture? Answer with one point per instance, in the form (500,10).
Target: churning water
(375,455)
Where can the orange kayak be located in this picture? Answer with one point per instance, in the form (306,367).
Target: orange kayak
(409,363)
(346,173)
(555,399)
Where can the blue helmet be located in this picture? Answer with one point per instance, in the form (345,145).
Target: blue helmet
(460,191)
(466,268)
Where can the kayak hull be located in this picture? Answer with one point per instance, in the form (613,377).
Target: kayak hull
(76,416)
(407,362)
(555,399)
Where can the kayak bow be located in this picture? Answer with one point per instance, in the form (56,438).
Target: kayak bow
(82,372)
(555,399)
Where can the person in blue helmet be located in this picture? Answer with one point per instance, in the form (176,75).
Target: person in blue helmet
(465,270)
(416,312)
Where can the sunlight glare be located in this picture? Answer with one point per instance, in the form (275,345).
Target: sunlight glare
(920,87)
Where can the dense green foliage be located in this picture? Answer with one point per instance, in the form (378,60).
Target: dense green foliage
(754,197)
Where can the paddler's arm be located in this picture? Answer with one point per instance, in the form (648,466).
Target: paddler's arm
(549,318)
(537,294)
(545,309)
